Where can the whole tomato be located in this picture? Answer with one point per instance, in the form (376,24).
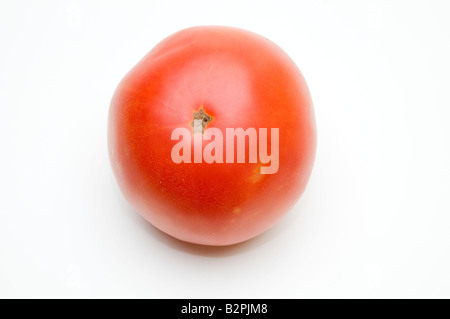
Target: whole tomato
(212,135)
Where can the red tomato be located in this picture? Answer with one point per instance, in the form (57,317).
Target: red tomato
(212,135)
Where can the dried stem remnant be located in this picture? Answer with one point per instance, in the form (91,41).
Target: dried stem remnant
(200,120)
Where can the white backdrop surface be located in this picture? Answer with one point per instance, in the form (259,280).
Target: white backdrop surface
(373,222)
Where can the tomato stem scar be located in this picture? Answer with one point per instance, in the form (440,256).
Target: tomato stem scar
(201,120)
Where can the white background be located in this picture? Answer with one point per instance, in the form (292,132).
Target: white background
(373,222)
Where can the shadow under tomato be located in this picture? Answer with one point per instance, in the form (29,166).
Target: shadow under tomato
(209,251)
(203,250)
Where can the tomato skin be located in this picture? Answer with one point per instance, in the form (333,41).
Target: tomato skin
(242,80)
